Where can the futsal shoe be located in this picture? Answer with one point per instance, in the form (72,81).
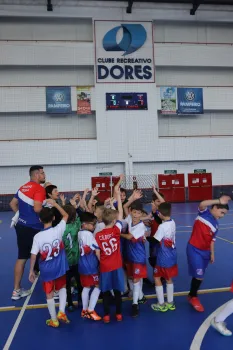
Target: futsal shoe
(143,300)
(52,323)
(196,304)
(61,316)
(221,328)
(135,311)
(171,306)
(106,319)
(20,293)
(93,315)
(84,313)
(160,308)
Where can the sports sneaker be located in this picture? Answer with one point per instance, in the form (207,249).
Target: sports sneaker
(196,304)
(143,300)
(52,323)
(118,317)
(158,307)
(171,306)
(20,293)
(61,316)
(84,313)
(221,328)
(93,315)
(135,310)
(106,319)
(56,295)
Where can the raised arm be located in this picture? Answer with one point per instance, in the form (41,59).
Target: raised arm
(160,198)
(60,209)
(117,194)
(222,200)
(137,194)
(94,193)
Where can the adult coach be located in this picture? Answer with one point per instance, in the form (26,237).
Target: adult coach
(28,201)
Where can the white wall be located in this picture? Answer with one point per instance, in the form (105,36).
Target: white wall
(38,48)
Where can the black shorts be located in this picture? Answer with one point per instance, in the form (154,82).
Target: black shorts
(25,237)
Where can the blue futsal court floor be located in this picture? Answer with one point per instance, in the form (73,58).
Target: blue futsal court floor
(23,326)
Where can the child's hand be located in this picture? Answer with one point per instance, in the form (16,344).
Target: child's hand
(224,199)
(212,258)
(63,199)
(137,194)
(73,203)
(76,197)
(94,192)
(51,202)
(32,276)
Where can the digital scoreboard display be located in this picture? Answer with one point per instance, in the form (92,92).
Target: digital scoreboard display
(126,101)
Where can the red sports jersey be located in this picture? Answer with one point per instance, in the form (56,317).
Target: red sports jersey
(204,231)
(108,241)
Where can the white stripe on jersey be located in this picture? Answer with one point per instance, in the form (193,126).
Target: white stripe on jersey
(25,199)
(207,223)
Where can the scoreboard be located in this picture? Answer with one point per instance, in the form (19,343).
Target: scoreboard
(126,101)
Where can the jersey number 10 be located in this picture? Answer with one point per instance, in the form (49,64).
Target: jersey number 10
(110,247)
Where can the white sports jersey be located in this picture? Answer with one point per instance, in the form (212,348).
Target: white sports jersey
(137,230)
(99,227)
(166,235)
(166,231)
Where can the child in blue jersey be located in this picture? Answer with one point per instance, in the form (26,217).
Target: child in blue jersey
(53,262)
(136,252)
(88,266)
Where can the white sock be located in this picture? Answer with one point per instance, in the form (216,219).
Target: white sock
(141,295)
(170,292)
(160,295)
(62,299)
(227,311)
(93,299)
(136,292)
(52,308)
(130,284)
(85,297)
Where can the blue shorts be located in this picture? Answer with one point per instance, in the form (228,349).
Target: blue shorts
(198,261)
(112,280)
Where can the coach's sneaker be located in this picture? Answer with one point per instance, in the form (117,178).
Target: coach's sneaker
(106,319)
(171,306)
(160,308)
(61,316)
(93,315)
(221,328)
(135,311)
(20,293)
(52,323)
(196,304)
(119,317)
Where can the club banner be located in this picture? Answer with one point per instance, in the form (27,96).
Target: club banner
(84,100)
(58,100)
(190,101)
(124,52)
(168,100)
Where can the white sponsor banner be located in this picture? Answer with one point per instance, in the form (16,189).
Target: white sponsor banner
(124,52)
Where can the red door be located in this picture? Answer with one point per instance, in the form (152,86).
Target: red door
(200,186)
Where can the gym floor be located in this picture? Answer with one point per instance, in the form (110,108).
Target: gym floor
(22,323)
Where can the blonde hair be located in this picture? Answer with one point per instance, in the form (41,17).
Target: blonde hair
(109,215)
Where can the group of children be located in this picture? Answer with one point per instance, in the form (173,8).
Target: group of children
(102,246)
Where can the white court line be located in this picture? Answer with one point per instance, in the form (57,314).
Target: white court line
(19,318)
(199,336)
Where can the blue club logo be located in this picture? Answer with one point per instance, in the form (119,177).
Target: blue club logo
(189,95)
(134,37)
(59,97)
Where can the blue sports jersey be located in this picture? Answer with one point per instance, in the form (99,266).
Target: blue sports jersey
(136,251)
(53,262)
(167,254)
(88,263)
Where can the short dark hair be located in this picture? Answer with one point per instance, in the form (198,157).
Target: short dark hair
(122,190)
(71,211)
(154,197)
(49,189)
(99,204)
(34,168)
(87,217)
(46,215)
(165,208)
(137,205)
(221,206)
